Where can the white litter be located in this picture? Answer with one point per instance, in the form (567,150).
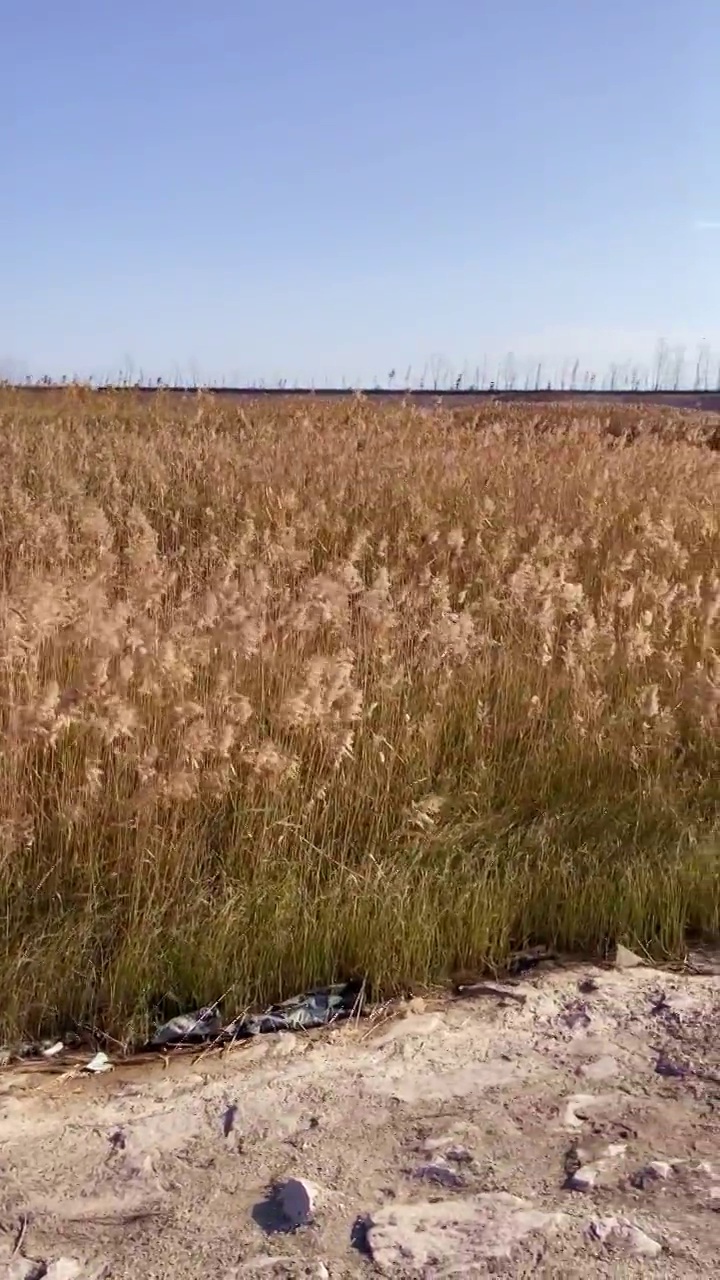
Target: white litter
(53,1049)
(204,1024)
(100,1062)
(627,959)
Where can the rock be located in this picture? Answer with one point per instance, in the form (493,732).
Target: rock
(591,1165)
(671,1068)
(576,1014)
(618,1231)
(71,1269)
(441,1172)
(459,1154)
(64,1269)
(407,1238)
(297,1199)
(588,986)
(627,959)
(655,1171)
(23,1269)
(584,1178)
(675,1002)
(602,1228)
(449,1144)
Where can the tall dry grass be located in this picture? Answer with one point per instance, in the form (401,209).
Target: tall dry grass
(295,691)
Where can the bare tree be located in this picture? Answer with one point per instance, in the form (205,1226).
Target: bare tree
(678,367)
(661,354)
(510,372)
(702,368)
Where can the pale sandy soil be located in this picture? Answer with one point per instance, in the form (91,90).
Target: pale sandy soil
(168,1172)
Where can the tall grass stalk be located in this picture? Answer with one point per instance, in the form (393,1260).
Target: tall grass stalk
(291,691)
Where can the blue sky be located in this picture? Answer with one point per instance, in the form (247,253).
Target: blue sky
(318,189)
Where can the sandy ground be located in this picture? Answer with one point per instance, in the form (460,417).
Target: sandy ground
(572,1133)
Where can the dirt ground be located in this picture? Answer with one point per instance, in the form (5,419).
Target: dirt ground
(574,1132)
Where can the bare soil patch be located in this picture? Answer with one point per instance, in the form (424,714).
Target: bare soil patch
(454,1138)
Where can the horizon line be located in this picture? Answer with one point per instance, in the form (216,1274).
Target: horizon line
(681,397)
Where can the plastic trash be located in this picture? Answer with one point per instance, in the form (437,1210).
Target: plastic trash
(627,959)
(316,1008)
(302,1013)
(99,1063)
(189,1028)
(53,1050)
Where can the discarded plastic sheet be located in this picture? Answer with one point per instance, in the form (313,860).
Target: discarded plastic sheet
(99,1063)
(53,1050)
(190,1028)
(316,1008)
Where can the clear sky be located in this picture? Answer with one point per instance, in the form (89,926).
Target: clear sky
(328,189)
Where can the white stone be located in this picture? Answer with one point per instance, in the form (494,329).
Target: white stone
(64,1269)
(618,1231)
(661,1170)
(638,1242)
(298,1199)
(22,1269)
(453,1233)
(584,1178)
(587,1176)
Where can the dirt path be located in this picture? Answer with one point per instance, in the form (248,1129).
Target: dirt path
(576,1133)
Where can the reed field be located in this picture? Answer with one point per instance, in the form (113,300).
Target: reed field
(296,690)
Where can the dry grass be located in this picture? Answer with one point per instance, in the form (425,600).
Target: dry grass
(292,691)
